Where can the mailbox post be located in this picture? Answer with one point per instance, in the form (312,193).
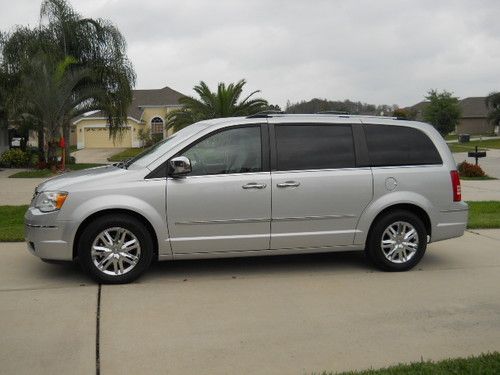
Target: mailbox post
(477,154)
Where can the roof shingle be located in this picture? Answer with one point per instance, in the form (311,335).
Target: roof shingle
(143,98)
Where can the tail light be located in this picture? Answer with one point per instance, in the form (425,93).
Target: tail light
(455,183)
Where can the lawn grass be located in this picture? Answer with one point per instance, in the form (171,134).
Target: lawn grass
(45,173)
(484,214)
(451,137)
(126,154)
(484,364)
(470,146)
(12,223)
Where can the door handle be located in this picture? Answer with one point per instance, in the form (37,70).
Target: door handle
(254,185)
(288,184)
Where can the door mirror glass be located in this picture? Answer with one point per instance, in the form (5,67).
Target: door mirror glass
(180,165)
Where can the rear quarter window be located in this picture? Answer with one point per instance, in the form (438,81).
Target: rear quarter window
(390,145)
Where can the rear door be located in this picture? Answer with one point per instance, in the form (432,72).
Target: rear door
(319,190)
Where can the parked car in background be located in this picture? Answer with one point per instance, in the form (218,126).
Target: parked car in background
(266,184)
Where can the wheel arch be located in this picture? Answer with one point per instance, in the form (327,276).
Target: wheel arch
(114,211)
(410,207)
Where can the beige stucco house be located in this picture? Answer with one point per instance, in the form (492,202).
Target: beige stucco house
(146,113)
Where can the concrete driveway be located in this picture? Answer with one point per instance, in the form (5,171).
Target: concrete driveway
(276,315)
(95,155)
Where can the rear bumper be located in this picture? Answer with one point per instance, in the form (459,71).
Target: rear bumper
(46,237)
(451,223)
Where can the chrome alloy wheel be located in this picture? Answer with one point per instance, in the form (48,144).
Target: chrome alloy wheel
(115,251)
(399,242)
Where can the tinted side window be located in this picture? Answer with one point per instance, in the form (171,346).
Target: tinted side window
(236,150)
(399,145)
(314,147)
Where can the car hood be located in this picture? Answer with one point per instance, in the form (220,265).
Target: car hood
(92,175)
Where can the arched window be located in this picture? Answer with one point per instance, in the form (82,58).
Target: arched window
(157,126)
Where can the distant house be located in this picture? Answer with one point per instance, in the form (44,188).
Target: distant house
(146,113)
(474,118)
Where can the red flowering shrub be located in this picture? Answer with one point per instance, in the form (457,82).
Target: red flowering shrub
(470,170)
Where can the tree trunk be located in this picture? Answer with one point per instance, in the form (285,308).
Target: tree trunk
(67,135)
(41,145)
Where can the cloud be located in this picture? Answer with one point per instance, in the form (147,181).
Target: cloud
(387,51)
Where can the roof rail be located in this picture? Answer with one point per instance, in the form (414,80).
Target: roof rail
(332,113)
(265,114)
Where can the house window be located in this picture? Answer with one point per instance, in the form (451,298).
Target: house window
(157,126)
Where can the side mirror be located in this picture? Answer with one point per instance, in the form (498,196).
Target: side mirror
(181,166)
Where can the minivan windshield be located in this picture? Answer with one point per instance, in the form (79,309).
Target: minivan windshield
(159,149)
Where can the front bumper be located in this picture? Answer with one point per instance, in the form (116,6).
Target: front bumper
(47,237)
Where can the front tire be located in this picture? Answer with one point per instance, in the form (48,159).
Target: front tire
(397,241)
(115,249)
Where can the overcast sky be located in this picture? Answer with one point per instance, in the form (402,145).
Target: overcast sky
(380,52)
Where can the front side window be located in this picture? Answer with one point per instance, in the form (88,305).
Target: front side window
(390,145)
(315,146)
(236,150)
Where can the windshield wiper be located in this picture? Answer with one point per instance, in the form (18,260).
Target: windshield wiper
(122,164)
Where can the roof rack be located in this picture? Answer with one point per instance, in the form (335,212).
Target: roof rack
(265,114)
(270,113)
(332,113)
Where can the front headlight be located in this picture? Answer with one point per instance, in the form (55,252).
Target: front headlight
(48,201)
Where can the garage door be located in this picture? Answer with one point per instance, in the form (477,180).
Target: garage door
(99,138)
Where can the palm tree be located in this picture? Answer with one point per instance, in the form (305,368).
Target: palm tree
(493,104)
(97,44)
(52,92)
(92,44)
(223,103)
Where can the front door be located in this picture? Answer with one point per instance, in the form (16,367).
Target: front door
(318,192)
(224,205)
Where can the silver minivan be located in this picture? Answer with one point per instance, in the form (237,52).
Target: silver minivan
(266,184)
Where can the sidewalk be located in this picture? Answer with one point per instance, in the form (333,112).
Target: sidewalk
(473,138)
(16,191)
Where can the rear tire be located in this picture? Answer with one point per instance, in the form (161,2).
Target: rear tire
(115,249)
(397,241)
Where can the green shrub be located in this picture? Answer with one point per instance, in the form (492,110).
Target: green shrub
(470,170)
(15,158)
(145,138)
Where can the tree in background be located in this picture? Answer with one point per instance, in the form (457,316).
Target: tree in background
(493,104)
(225,102)
(405,113)
(443,111)
(93,45)
(356,108)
